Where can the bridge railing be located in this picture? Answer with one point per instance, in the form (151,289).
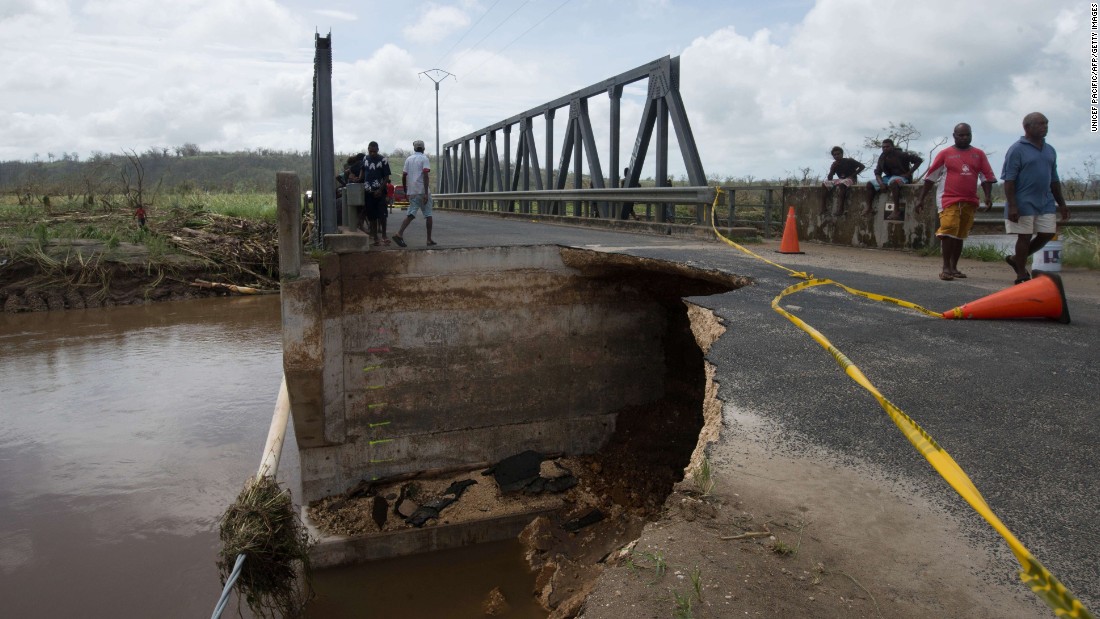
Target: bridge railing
(1081,212)
(759,207)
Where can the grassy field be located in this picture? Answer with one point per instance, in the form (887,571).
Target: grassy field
(1082,248)
(259,206)
(62,218)
(27,229)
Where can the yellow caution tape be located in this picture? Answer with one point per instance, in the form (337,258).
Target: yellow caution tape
(1033,574)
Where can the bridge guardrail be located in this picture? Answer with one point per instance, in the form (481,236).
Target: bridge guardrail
(759,207)
(1081,213)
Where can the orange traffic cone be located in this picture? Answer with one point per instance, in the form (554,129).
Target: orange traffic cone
(789,243)
(1042,297)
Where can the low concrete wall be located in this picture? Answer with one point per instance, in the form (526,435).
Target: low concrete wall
(409,361)
(852,228)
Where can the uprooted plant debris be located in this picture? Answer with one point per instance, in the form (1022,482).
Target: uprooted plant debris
(263,527)
(120,264)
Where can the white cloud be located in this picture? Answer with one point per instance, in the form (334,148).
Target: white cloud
(846,72)
(768,89)
(337,14)
(436,22)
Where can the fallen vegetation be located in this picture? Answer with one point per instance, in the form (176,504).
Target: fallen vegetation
(75,255)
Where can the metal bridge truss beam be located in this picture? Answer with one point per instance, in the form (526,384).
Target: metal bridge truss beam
(323,159)
(663,103)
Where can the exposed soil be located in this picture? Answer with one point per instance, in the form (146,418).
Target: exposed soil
(795,535)
(204,251)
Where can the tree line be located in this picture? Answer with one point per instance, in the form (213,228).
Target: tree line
(181,170)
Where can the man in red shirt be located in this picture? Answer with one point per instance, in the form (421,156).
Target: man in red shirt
(956,172)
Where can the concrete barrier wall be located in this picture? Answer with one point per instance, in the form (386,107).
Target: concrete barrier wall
(852,228)
(408,361)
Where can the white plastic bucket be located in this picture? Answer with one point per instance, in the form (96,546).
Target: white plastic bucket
(1049,258)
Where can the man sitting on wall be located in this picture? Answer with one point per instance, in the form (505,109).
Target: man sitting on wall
(846,170)
(895,168)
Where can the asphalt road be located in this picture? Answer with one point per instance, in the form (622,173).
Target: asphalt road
(1014,402)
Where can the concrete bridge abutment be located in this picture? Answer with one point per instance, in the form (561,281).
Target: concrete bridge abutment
(405,361)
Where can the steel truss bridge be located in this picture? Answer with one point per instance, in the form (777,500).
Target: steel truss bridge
(474,163)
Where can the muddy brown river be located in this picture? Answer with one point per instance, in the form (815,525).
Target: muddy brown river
(124,435)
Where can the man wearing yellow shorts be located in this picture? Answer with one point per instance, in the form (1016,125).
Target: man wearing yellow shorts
(956,172)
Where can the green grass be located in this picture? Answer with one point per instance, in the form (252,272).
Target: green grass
(703,478)
(1082,247)
(984,252)
(782,549)
(683,605)
(697,582)
(253,206)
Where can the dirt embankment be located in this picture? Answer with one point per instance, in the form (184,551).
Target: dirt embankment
(192,256)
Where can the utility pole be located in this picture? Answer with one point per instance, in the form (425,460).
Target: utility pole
(437,75)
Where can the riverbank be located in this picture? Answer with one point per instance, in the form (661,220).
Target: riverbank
(79,260)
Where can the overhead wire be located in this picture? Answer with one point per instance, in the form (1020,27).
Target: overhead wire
(495,28)
(535,25)
(474,46)
(468,31)
(518,37)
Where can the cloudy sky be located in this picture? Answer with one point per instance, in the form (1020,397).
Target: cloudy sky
(769,87)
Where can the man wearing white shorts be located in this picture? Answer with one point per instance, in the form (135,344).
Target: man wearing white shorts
(416,182)
(1032,192)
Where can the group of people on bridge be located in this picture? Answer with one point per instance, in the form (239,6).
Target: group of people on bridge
(1033,192)
(372,170)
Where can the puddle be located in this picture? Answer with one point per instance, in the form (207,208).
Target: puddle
(449,583)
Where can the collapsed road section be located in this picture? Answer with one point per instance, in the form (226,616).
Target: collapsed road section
(420,380)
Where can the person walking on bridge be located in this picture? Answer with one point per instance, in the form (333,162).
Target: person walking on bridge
(1032,190)
(956,172)
(415,179)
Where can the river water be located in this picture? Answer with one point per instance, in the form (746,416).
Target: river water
(125,433)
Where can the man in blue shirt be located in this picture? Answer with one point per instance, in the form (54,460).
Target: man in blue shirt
(1032,191)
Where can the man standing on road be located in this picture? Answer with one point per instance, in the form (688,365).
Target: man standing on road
(895,168)
(1032,190)
(956,172)
(416,183)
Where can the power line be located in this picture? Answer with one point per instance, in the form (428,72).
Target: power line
(505,20)
(524,33)
(468,31)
